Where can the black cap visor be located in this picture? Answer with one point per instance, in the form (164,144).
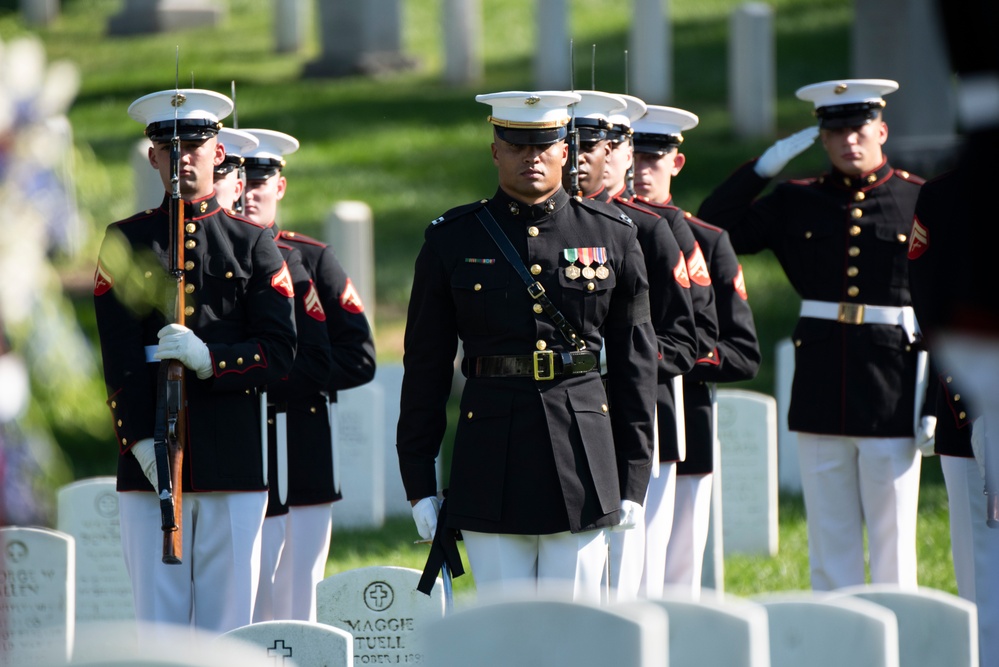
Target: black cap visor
(659,144)
(188,129)
(530,136)
(260,169)
(848,115)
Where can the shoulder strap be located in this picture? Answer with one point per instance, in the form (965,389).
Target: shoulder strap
(534,288)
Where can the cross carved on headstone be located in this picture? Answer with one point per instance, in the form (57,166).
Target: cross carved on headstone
(279,651)
(378,594)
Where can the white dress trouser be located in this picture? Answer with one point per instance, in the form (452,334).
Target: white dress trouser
(958,472)
(214,587)
(689,537)
(271,545)
(303,562)
(659,503)
(849,481)
(567,565)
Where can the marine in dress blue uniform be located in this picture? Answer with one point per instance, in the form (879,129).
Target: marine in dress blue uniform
(239,335)
(544,457)
(841,239)
(672,318)
(299,531)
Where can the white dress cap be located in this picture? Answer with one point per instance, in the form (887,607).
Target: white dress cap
(595,105)
(194,104)
(237,142)
(272,145)
(846,91)
(522,109)
(665,120)
(634,110)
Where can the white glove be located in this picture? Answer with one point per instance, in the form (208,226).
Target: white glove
(630,514)
(425,516)
(179,342)
(145,454)
(777,156)
(926,435)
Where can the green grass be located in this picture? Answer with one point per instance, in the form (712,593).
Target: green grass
(413,147)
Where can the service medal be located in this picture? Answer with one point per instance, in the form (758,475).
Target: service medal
(588,272)
(602,272)
(572,272)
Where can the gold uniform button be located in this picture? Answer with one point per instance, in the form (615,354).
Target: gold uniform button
(189,310)
(853,290)
(949,380)
(148,211)
(852,271)
(119,423)
(535,269)
(270,421)
(312,409)
(189,288)
(114,404)
(847,182)
(538,309)
(871,178)
(603,406)
(903,173)
(902,238)
(908,348)
(204,206)
(256,357)
(532,231)
(542,345)
(963,414)
(477,286)
(797,342)
(957,397)
(853,251)
(148,274)
(190,244)
(859,196)
(711,355)
(470,415)
(239,361)
(188,265)
(808,235)
(856,213)
(590,286)
(124,441)
(221,364)
(190,228)
(228,274)
(854,230)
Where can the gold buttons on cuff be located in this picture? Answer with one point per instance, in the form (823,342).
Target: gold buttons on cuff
(853,290)
(188,265)
(532,231)
(902,238)
(542,345)
(477,286)
(221,364)
(190,244)
(228,274)
(239,361)
(852,271)
(859,196)
(189,288)
(470,414)
(535,269)
(190,228)
(853,251)
(189,310)
(256,357)
(538,309)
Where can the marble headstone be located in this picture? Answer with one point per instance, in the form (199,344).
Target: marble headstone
(299,643)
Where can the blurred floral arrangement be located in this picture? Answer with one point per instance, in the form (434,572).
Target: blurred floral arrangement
(44,357)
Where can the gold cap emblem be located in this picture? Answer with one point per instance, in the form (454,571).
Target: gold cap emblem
(532,100)
(840,89)
(178,100)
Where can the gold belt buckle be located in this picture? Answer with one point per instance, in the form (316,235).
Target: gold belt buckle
(544,365)
(850,313)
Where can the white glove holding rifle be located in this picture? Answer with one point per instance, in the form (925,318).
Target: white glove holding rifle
(425,515)
(180,343)
(926,435)
(629,515)
(145,454)
(777,156)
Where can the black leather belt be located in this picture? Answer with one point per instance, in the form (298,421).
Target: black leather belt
(542,365)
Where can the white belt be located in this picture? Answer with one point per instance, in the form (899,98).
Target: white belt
(859,313)
(150,351)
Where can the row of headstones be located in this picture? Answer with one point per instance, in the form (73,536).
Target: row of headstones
(375,616)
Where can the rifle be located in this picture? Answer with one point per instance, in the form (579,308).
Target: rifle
(171,419)
(573,134)
(629,176)
(240,203)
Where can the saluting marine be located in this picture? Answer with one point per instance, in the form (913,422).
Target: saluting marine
(841,239)
(239,335)
(541,462)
